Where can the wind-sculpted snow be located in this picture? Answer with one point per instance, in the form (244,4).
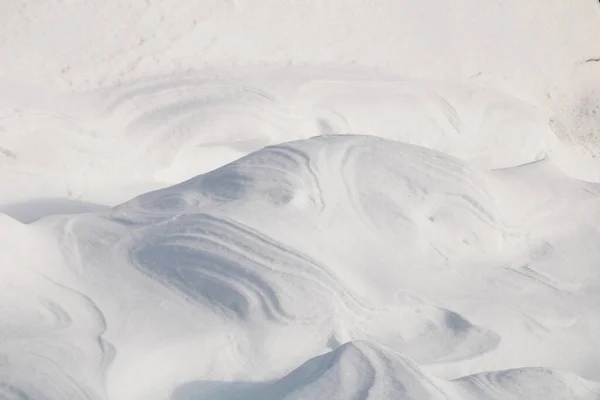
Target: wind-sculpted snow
(218,238)
(274,250)
(544,53)
(134,138)
(183,124)
(52,335)
(362,370)
(339,267)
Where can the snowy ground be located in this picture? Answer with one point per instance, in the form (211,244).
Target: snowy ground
(302,200)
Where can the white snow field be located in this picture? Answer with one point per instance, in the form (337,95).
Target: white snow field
(359,199)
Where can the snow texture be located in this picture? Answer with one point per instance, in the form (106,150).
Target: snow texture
(299,200)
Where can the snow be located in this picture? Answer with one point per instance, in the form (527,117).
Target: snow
(299,200)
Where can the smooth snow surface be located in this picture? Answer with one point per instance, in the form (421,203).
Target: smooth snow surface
(299,200)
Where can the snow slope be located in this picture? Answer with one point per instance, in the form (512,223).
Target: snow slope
(220,61)
(335,267)
(108,146)
(312,200)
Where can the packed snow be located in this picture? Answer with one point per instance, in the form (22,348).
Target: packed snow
(299,200)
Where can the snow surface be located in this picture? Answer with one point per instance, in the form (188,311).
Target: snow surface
(299,200)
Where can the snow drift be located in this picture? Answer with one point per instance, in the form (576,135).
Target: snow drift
(335,267)
(453,256)
(541,53)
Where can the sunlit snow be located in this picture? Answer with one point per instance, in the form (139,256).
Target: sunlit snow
(308,200)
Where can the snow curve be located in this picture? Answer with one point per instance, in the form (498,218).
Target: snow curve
(293,251)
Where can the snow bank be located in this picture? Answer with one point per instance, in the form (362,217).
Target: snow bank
(254,278)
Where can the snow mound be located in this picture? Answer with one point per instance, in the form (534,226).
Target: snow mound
(135,138)
(528,383)
(454,256)
(225,284)
(178,79)
(363,370)
(195,115)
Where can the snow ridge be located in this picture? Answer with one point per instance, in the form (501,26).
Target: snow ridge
(405,242)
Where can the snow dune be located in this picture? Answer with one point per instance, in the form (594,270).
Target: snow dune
(541,53)
(333,267)
(134,138)
(299,200)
